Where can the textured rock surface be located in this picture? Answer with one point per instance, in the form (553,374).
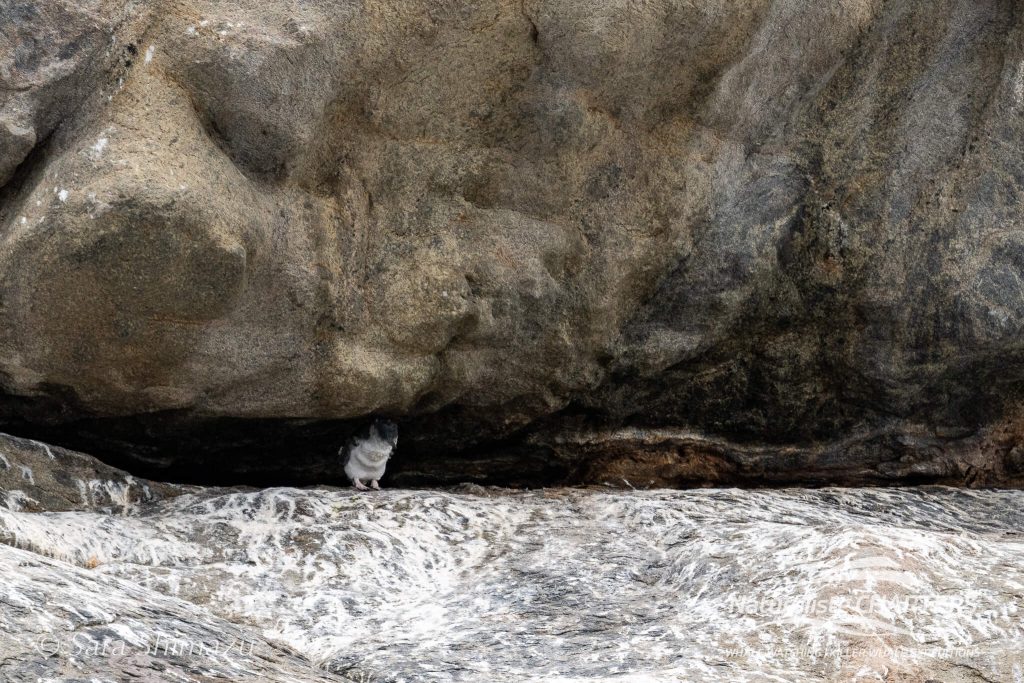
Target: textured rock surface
(485,584)
(770,220)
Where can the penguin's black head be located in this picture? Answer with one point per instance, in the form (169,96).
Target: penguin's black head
(388,431)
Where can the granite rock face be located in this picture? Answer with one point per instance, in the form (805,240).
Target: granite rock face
(487,584)
(769,221)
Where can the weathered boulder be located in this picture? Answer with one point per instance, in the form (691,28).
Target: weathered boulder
(770,222)
(486,584)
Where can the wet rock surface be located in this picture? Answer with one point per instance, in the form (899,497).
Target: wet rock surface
(771,222)
(488,584)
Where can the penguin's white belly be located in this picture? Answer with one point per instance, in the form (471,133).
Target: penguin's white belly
(355,470)
(365,462)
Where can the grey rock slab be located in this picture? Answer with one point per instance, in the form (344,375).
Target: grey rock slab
(474,584)
(772,221)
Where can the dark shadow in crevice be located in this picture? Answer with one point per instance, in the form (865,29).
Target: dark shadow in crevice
(178,446)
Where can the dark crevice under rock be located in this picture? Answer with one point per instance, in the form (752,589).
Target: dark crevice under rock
(184,448)
(569,448)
